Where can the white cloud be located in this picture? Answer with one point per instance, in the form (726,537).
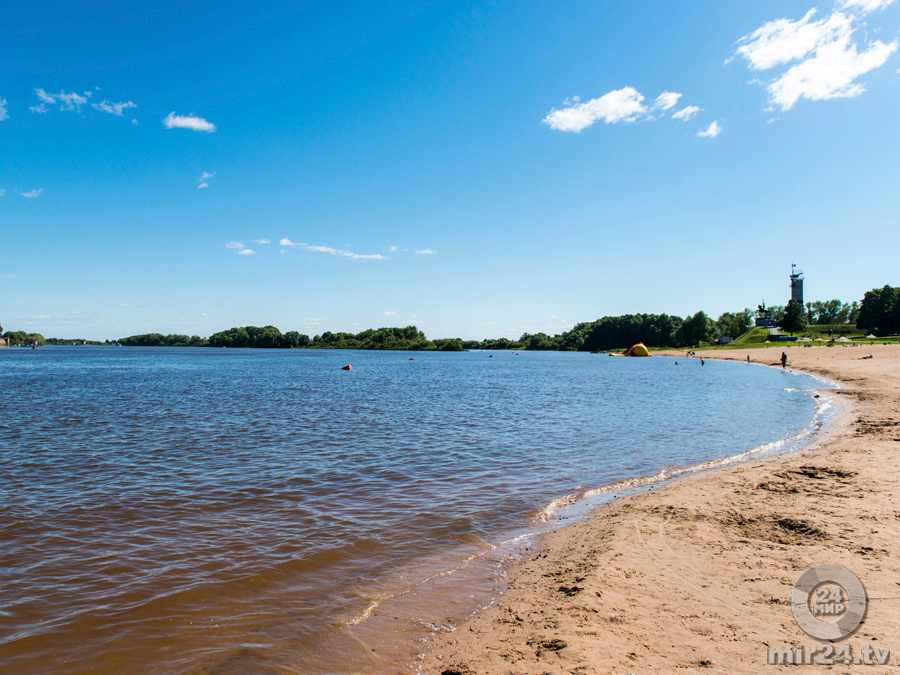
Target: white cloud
(31,194)
(866,5)
(113,108)
(9,276)
(686,113)
(828,62)
(204,178)
(4,111)
(234,244)
(192,122)
(331,251)
(261,241)
(39,317)
(426,251)
(390,313)
(44,96)
(782,40)
(247,251)
(711,131)
(621,105)
(134,121)
(393,249)
(666,100)
(2,192)
(67,100)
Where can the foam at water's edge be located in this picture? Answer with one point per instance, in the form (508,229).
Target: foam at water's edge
(561,507)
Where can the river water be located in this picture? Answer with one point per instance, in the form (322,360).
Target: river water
(176,510)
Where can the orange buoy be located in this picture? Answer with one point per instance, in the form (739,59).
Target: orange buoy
(347,367)
(411,359)
(491,356)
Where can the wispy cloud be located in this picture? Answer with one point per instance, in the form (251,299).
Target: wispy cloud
(330,251)
(9,276)
(686,113)
(234,244)
(390,313)
(192,122)
(866,5)
(113,108)
(666,100)
(261,241)
(2,192)
(711,131)
(247,251)
(622,105)
(827,62)
(66,100)
(31,194)
(204,180)
(426,251)
(4,111)
(393,249)
(39,317)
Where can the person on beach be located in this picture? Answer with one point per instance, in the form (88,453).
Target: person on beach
(702,362)
(748,358)
(783,360)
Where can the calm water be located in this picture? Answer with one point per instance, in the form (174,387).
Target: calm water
(234,511)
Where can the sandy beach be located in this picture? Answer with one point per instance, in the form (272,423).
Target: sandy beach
(698,573)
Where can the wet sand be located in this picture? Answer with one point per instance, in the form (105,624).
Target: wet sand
(697,574)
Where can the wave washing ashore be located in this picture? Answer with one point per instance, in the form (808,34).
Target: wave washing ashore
(698,574)
(171,511)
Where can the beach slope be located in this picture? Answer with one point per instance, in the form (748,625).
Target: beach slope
(698,574)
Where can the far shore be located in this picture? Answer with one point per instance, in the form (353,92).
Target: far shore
(697,575)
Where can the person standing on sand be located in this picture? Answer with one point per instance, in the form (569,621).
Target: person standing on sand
(748,358)
(783,360)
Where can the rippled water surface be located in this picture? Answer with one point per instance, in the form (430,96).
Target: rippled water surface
(234,511)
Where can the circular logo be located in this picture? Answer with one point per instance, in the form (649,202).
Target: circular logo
(829,602)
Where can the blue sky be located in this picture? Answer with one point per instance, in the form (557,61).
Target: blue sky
(479,169)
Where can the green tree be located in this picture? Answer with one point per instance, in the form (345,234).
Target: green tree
(696,329)
(794,319)
(879,312)
(734,325)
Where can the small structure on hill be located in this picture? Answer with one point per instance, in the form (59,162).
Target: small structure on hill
(764,317)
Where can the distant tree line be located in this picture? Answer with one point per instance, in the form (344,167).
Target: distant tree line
(613,332)
(878,313)
(20,337)
(270,337)
(159,340)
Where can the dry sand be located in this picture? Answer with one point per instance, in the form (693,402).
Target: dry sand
(697,574)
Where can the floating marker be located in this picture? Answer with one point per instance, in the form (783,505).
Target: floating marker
(347,367)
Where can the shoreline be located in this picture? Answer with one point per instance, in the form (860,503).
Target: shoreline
(697,573)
